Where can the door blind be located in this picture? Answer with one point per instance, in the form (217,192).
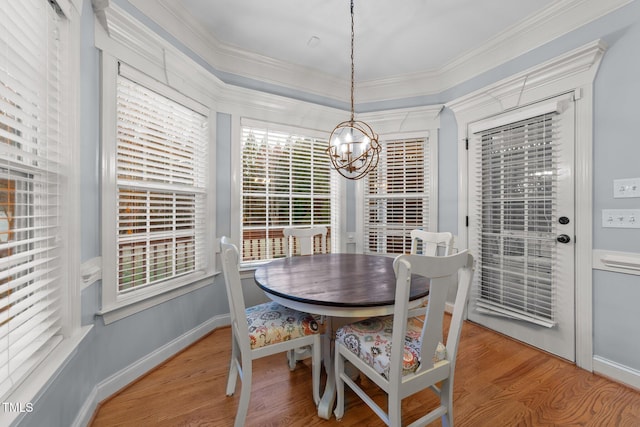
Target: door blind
(518,181)
(397,196)
(161,184)
(286,182)
(31,177)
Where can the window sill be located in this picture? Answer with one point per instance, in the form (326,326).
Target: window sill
(42,376)
(128,308)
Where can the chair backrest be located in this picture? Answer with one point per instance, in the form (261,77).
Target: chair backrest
(305,238)
(230,267)
(427,242)
(443,272)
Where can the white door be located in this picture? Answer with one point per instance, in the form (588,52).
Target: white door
(521,222)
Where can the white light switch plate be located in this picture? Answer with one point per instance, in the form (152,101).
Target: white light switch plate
(625,188)
(621,218)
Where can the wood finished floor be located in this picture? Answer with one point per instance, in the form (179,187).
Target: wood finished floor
(498,382)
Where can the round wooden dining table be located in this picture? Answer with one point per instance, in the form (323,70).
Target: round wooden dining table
(335,286)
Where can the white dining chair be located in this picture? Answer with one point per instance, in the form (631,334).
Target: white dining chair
(429,243)
(403,356)
(260,331)
(305,240)
(304,237)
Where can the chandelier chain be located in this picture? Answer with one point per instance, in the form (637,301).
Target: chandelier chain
(352,65)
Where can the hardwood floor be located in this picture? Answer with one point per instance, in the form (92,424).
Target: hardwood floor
(498,382)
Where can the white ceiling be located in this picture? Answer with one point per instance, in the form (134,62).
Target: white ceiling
(391,37)
(403,48)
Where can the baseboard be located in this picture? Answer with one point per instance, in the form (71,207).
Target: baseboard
(617,372)
(448,307)
(122,378)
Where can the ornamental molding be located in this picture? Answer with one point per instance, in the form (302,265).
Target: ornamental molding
(561,74)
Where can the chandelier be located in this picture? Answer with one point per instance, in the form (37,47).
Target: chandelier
(353,145)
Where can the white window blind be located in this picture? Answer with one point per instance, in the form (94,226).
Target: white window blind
(397,196)
(32,124)
(286,181)
(517,232)
(161,183)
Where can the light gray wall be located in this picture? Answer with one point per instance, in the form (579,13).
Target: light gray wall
(616,318)
(223,174)
(109,349)
(617,145)
(448,172)
(617,155)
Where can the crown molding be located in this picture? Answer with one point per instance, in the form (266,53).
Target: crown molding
(400,87)
(119,34)
(579,65)
(228,59)
(560,18)
(404,120)
(557,20)
(243,102)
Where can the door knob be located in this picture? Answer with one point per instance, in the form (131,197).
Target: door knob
(563,238)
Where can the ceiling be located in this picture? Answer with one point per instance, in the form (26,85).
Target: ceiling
(391,37)
(403,49)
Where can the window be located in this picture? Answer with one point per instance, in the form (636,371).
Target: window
(159,198)
(34,146)
(286,181)
(517,233)
(398,195)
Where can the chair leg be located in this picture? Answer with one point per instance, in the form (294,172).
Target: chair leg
(446,400)
(291,358)
(339,369)
(395,412)
(245,394)
(232,376)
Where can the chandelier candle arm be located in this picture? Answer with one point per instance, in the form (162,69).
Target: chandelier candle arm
(353,149)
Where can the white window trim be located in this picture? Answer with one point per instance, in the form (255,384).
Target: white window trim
(72,332)
(160,62)
(406,123)
(572,72)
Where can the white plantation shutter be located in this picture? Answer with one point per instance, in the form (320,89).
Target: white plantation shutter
(161,183)
(516,168)
(286,181)
(31,185)
(397,196)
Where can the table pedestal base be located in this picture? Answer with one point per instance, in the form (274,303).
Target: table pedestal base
(328,399)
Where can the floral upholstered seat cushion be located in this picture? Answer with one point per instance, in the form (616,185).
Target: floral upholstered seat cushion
(370,340)
(271,323)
